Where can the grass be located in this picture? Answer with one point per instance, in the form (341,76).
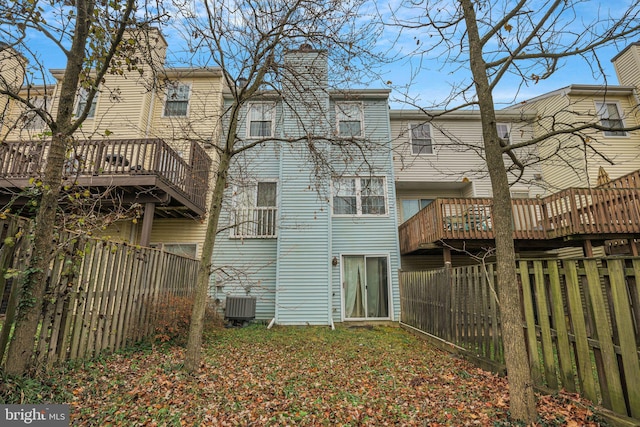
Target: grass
(285,376)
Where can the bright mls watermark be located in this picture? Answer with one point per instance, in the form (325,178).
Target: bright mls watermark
(34,415)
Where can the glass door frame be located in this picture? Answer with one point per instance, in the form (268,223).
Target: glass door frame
(387,256)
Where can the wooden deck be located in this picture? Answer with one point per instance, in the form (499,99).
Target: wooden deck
(566,218)
(116,171)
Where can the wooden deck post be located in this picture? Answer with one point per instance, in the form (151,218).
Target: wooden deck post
(446,254)
(633,245)
(147,223)
(588,249)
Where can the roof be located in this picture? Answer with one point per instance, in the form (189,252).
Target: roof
(417,114)
(579,90)
(339,94)
(170,72)
(624,50)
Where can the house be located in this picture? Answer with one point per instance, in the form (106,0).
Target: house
(439,156)
(310,230)
(556,204)
(140,153)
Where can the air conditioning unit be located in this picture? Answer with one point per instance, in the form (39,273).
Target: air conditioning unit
(240,308)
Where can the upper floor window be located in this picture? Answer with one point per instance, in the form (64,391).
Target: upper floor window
(611,117)
(420,138)
(359,196)
(32,120)
(349,119)
(83,96)
(260,120)
(504,132)
(177,101)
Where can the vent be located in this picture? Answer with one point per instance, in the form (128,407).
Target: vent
(240,308)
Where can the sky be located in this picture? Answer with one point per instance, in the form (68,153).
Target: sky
(433,77)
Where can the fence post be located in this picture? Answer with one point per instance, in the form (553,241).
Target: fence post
(450,294)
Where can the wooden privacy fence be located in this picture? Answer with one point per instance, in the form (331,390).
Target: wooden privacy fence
(581,320)
(101,295)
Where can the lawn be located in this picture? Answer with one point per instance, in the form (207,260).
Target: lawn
(292,376)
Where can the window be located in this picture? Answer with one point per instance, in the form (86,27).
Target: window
(359,196)
(255,211)
(610,117)
(504,132)
(177,101)
(260,119)
(420,138)
(518,193)
(183,249)
(410,207)
(349,118)
(83,95)
(32,120)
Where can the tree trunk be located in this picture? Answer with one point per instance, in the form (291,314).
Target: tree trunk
(196,328)
(34,284)
(522,400)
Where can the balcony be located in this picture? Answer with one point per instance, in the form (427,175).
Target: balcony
(566,218)
(254,223)
(115,171)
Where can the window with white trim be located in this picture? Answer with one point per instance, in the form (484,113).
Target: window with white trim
(349,119)
(504,132)
(611,117)
(359,196)
(83,95)
(420,138)
(177,101)
(33,121)
(260,119)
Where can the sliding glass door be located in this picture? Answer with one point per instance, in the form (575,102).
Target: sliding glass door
(365,281)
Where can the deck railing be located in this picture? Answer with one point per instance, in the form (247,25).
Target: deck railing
(256,222)
(114,157)
(574,211)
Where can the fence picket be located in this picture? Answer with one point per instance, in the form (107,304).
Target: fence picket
(611,386)
(560,325)
(629,351)
(576,310)
(530,321)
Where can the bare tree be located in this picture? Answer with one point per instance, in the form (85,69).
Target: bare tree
(248,41)
(90,35)
(513,43)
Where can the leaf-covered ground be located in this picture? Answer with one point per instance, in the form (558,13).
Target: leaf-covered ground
(298,376)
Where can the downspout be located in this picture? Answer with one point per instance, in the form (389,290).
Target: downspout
(150,115)
(330,266)
(279,240)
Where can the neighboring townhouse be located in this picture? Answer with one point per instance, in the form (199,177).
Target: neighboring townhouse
(438,159)
(583,154)
(310,229)
(142,148)
(578,157)
(439,156)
